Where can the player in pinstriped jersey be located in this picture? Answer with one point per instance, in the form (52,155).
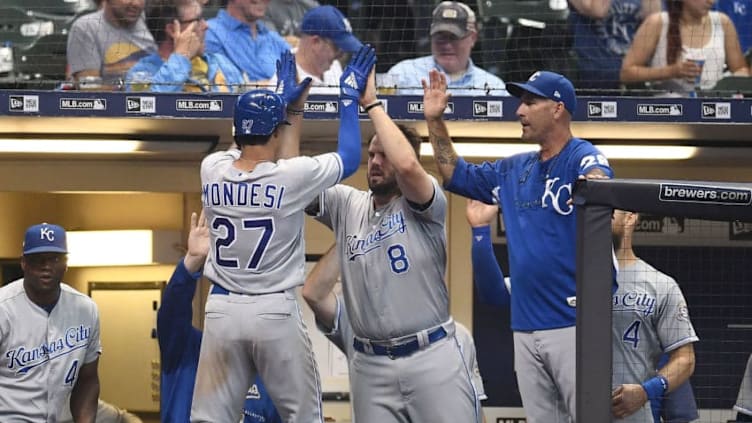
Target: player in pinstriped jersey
(332,319)
(254,208)
(391,243)
(533,191)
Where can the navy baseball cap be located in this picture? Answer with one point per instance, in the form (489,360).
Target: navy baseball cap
(329,22)
(548,85)
(45,238)
(453,17)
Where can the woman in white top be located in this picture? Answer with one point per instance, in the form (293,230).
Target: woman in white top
(684,49)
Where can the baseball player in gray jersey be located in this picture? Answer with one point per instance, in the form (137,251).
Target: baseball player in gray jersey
(391,244)
(254,208)
(333,321)
(49,337)
(743,404)
(650,317)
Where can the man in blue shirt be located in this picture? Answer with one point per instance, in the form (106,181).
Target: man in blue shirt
(180,342)
(180,63)
(533,191)
(453,35)
(239,33)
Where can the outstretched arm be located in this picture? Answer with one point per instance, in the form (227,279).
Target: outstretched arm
(435,99)
(319,286)
(413,180)
(352,84)
(295,96)
(487,273)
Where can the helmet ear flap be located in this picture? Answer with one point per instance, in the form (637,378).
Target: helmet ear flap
(258,112)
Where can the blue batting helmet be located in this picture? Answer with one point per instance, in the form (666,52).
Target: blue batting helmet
(258,112)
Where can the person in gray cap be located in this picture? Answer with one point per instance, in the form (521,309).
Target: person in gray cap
(454,32)
(49,336)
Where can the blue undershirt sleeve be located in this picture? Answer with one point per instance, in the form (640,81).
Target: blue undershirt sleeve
(487,273)
(348,139)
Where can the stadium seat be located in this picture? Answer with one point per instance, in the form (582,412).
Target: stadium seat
(36,30)
(731,86)
(522,36)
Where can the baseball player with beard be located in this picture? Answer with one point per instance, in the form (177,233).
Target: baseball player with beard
(650,317)
(391,244)
(533,191)
(49,337)
(333,321)
(254,207)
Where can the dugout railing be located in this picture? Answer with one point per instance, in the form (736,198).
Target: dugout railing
(595,201)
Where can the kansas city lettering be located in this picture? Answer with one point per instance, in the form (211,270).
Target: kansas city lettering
(242,194)
(636,301)
(22,357)
(390,225)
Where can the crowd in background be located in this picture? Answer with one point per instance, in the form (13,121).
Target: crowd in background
(673,47)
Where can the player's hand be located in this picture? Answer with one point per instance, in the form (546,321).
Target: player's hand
(435,96)
(479,213)
(198,243)
(354,78)
(369,94)
(626,399)
(287,80)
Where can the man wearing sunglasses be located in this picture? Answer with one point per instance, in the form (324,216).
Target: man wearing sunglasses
(453,35)
(49,336)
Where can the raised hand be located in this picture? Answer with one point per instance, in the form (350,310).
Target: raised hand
(198,243)
(435,96)
(186,41)
(479,213)
(287,79)
(354,78)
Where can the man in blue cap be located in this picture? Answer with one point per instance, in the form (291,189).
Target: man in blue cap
(533,191)
(49,336)
(325,38)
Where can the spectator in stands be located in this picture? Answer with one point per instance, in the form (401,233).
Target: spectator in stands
(740,13)
(603,32)
(325,36)
(684,49)
(106,43)
(239,33)
(285,17)
(453,34)
(180,63)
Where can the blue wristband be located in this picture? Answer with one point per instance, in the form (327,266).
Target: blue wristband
(655,387)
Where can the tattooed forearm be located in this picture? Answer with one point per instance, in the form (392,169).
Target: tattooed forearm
(445,154)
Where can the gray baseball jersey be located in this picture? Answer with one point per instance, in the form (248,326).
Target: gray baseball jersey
(256,218)
(744,400)
(650,317)
(393,261)
(41,353)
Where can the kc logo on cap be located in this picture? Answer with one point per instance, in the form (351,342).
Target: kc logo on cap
(45,238)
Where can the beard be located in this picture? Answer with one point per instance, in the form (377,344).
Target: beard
(386,187)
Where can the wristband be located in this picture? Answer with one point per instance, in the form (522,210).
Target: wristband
(377,103)
(655,387)
(291,111)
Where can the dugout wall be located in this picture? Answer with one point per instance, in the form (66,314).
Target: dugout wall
(595,200)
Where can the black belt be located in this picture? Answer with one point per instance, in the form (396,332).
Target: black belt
(400,350)
(218,289)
